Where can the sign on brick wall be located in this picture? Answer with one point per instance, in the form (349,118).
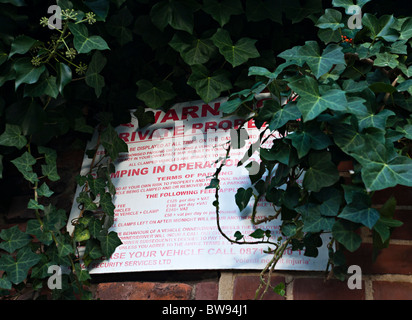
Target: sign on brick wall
(164,213)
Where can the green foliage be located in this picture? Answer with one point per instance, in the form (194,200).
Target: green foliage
(345,100)
(333,100)
(37,77)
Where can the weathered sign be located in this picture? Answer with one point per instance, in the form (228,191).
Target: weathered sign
(164,213)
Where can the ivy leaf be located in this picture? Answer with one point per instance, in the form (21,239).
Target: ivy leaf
(50,171)
(21,45)
(320,64)
(405,86)
(96,185)
(381,27)
(18,268)
(81,234)
(260,71)
(332,19)
(282,115)
(93,249)
(208,87)
(384,225)
(321,172)
(368,120)
(257,234)
(46,85)
(280,289)
(382,167)
(406,30)
(329,35)
(343,232)
(313,221)
(238,235)
(311,137)
(64,75)
(64,247)
(112,143)
(34,228)
(33,204)
(26,72)
(12,137)
(235,54)
(192,50)
(331,200)
(289,229)
(108,242)
(118,26)
(82,274)
(348,3)
(107,204)
(88,203)
(177,14)
(279,152)
(85,43)
(360,213)
(386,59)
(378,87)
(13,239)
(50,155)
(40,270)
(347,138)
(311,102)
(406,131)
(230,106)
(93,78)
(5,284)
(242,197)
(54,219)
(95,226)
(384,174)
(144,118)
(221,11)
(99,7)
(214,184)
(24,165)
(154,96)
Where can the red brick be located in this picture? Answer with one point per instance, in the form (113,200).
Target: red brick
(207,291)
(321,289)
(143,291)
(245,288)
(405,231)
(385,290)
(396,259)
(402,194)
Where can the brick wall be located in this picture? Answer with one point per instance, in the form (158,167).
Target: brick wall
(390,277)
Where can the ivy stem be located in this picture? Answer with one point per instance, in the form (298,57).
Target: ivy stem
(36,211)
(68,61)
(57,43)
(271,264)
(86,187)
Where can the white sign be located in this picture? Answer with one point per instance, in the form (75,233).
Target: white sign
(164,213)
